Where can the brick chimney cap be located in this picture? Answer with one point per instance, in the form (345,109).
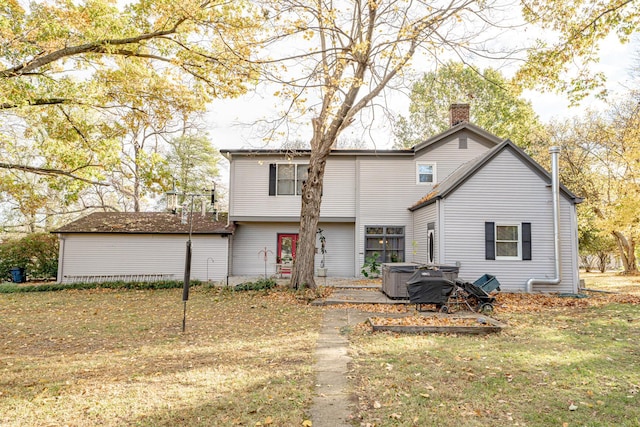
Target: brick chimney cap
(458,113)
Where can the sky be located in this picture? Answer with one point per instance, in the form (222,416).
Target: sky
(230,121)
(616,61)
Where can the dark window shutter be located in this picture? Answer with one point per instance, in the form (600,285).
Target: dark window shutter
(526,241)
(272,179)
(490,240)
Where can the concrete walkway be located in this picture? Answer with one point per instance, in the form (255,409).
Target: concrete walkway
(333,404)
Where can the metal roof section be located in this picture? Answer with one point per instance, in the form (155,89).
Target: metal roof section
(147,223)
(467,170)
(464,126)
(229,153)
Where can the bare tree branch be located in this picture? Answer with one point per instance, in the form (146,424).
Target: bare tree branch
(52,172)
(98,46)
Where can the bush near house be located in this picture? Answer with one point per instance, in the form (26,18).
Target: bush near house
(11,288)
(37,253)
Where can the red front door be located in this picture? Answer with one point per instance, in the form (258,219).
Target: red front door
(287,248)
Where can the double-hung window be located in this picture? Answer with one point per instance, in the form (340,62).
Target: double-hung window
(286,179)
(425,173)
(508,241)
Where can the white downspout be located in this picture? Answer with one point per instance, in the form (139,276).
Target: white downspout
(555,191)
(60,277)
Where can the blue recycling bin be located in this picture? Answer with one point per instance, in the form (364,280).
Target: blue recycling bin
(17,274)
(487,283)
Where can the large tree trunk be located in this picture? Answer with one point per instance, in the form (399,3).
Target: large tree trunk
(627,249)
(303,270)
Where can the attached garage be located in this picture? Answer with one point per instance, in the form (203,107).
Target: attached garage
(137,246)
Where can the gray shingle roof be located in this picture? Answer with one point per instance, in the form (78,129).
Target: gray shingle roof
(467,170)
(146,223)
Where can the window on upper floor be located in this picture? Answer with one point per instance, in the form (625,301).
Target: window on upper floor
(425,173)
(286,179)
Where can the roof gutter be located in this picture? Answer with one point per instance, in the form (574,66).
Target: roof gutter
(555,191)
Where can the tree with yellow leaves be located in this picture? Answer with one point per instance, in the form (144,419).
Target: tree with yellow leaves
(335,58)
(80,79)
(601,158)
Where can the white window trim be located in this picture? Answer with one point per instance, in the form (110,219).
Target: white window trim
(435,176)
(495,242)
(295,177)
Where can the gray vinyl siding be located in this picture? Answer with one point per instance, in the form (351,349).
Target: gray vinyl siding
(250,187)
(339,192)
(250,242)
(142,254)
(340,246)
(387,188)
(507,191)
(251,239)
(421,219)
(448,156)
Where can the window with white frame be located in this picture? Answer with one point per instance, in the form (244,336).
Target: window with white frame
(425,173)
(289,178)
(507,241)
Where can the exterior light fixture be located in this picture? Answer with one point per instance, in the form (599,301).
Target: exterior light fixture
(172,199)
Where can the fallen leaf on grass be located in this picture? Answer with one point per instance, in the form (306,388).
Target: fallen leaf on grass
(307,423)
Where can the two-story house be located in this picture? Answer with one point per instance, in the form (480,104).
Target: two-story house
(464,197)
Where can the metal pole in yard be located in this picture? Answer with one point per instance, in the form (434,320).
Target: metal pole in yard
(172,204)
(187,271)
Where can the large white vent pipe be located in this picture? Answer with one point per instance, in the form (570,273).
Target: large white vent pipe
(555,191)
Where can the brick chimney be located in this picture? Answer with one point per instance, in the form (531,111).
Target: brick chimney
(458,113)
